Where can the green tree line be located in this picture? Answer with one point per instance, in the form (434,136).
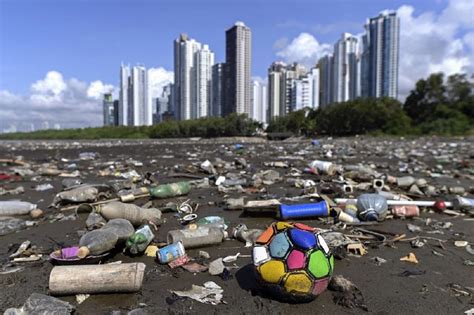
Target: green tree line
(229,126)
(435,106)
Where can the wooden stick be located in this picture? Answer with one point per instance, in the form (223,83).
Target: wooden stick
(68,280)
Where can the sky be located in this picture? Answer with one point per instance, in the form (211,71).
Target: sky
(57,57)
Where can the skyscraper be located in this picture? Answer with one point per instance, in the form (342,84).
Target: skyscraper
(276,90)
(325,65)
(259,102)
(140,110)
(184,51)
(345,79)
(193,78)
(313,88)
(217,102)
(380,57)
(238,69)
(123,97)
(108,110)
(204,60)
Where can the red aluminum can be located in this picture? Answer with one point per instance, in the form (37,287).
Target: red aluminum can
(406,211)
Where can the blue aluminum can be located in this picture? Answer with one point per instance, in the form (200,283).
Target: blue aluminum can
(170,252)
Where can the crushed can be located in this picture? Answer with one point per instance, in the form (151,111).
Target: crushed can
(406,211)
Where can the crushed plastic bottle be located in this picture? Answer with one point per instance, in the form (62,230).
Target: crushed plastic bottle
(244,234)
(95,221)
(170,190)
(121,227)
(15,207)
(76,195)
(138,242)
(96,242)
(371,207)
(135,214)
(9,225)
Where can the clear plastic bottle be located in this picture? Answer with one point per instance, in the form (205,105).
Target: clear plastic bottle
(96,242)
(201,236)
(121,227)
(15,207)
(371,207)
(138,242)
(135,214)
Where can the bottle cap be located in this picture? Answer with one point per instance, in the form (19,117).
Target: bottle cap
(83,252)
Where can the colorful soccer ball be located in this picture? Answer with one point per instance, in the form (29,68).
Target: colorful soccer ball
(293,261)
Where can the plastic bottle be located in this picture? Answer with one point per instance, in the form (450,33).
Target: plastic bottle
(138,242)
(372,207)
(170,190)
(135,214)
(324,167)
(15,207)
(121,227)
(96,242)
(95,221)
(79,194)
(243,234)
(318,209)
(201,236)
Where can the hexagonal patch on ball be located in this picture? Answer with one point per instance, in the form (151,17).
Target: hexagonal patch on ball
(318,264)
(279,246)
(282,225)
(272,271)
(296,259)
(298,282)
(266,236)
(303,239)
(320,286)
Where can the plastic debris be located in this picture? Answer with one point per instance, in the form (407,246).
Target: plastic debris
(210,293)
(410,258)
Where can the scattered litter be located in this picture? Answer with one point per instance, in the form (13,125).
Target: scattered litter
(410,258)
(210,293)
(80,298)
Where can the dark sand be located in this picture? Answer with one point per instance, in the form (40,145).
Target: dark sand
(385,291)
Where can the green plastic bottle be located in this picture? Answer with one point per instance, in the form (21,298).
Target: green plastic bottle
(170,190)
(138,242)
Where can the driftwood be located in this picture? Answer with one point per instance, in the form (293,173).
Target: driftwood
(110,278)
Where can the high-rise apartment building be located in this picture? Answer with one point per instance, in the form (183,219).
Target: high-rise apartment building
(238,85)
(325,65)
(123,97)
(204,60)
(217,94)
(108,110)
(345,74)
(140,110)
(282,85)
(192,78)
(380,56)
(184,51)
(259,102)
(276,90)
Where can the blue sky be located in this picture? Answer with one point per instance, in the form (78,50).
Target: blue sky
(57,57)
(88,39)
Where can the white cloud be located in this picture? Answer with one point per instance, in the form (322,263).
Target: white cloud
(97,89)
(304,49)
(158,78)
(71,103)
(429,42)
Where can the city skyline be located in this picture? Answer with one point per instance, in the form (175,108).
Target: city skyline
(419,20)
